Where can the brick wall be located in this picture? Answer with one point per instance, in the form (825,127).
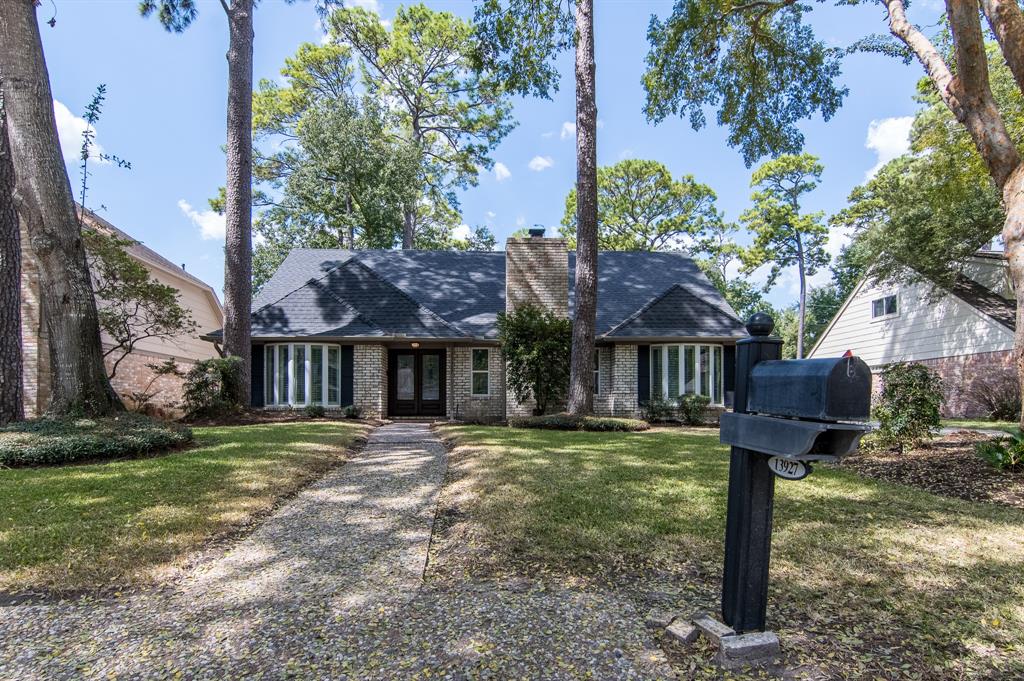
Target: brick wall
(462,404)
(133,376)
(957,375)
(370,380)
(617,371)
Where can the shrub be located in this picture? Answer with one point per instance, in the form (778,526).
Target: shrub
(351,412)
(693,408)
(58,441)
(536,345)
(315,411)
(212,386)
(1003,453)
(657,409)
(589,423)
(908,409)
(998,393)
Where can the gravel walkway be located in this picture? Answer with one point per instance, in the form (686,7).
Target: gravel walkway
(329,587)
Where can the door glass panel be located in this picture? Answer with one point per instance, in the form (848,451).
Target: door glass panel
(405,383)
(673,371)
(705,377)
(431,390)
(333,374)
(316,374)
(690,366)
(282,374)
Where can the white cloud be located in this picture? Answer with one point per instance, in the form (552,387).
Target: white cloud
(888,138)
(491,215)
(539,163)
(626,153)
(69,129)
(461,232)
(501,171)
(568,130)
(210,224)
(547,135)
(371,5)
(520,221)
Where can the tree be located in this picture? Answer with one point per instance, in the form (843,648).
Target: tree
(176,16)
(519,40)
(134,305)
(782,236)
(46,210)
(640,207)
(716,252)
(12,407)
(536,345)
(765,68)
(450,114)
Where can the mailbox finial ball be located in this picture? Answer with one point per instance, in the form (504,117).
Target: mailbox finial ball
(760,324)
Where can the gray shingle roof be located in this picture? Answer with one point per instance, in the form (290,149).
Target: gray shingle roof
(451,294)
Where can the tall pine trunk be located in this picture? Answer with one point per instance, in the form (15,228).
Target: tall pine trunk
(46,207)
(1013,241)
(238,198)
(802,322)
(409,227)
(581,376)
(12,407)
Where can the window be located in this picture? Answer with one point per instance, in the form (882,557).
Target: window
(479,375)
(686,370)
(884,307)
(597,371)
(299,374)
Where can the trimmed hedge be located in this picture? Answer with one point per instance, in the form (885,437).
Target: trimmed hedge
(49,441)
(590,423)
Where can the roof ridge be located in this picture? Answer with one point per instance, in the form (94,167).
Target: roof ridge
(640,310)
(302,285)
(405,295)
(359,315)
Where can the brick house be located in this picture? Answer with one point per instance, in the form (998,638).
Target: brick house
(964,332)
(414,333)
(132,374)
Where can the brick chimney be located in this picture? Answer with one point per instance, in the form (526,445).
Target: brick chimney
(537,271)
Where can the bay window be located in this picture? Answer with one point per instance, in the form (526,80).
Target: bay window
(686,369)
(301,374)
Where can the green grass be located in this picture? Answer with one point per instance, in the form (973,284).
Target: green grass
(870,567)
(1005,426)
(87,526)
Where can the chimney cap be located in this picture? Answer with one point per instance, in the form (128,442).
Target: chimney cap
(536,232)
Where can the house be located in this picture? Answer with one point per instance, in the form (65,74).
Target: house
(414,333)
(963,332)
(132,374)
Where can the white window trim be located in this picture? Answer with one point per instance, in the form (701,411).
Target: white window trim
(292,398)
(597,372)
(473,371)
(883,317)
(712,369)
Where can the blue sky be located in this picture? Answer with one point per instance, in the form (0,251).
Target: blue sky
(165,112)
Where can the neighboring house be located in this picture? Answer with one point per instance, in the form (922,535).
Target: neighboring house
(132,374)
(964,333)
(414,333)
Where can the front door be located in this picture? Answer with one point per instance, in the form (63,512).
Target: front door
(416,382)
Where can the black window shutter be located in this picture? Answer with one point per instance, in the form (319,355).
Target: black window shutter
(643,373)
(347,375)
(256,380)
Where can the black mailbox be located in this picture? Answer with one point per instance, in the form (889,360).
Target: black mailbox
(832,389)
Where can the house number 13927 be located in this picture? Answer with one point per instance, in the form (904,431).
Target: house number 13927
(789,469)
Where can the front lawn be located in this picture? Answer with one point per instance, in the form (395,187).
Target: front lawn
(1005,426)
(869,579)
(118,523)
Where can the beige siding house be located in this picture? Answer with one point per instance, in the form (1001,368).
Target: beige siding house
(132,374)
(964,332)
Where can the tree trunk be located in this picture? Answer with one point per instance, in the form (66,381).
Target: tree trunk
(581,370)
(46,207)
(803,297)
(238,196)
(1013,240)
(12,407)
(409,229)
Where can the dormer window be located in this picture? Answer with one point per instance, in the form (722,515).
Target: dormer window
(884,307)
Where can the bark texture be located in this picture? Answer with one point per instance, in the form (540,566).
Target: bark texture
(238,192)
(581,376)
(46,207)
(12,407)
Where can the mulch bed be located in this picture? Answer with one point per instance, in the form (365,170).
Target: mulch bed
(948,467)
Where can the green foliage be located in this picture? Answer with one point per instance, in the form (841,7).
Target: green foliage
(536,347)
(693,408)
(588,423)
(757,63)
(1005,453)
(640,207)
(657,409)
(998,391)
(49,441)
(212,387)
(314,411)
(908,407)
(351,412)
(135,305)
(173,15)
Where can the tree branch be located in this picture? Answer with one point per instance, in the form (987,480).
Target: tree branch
(1007,22)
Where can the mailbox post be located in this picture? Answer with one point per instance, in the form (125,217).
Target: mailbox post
(786,413)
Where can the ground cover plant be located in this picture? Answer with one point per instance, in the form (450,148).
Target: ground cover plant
(570,422)
(869,579)
(106,525)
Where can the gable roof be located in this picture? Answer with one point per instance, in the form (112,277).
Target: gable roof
(458,294)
